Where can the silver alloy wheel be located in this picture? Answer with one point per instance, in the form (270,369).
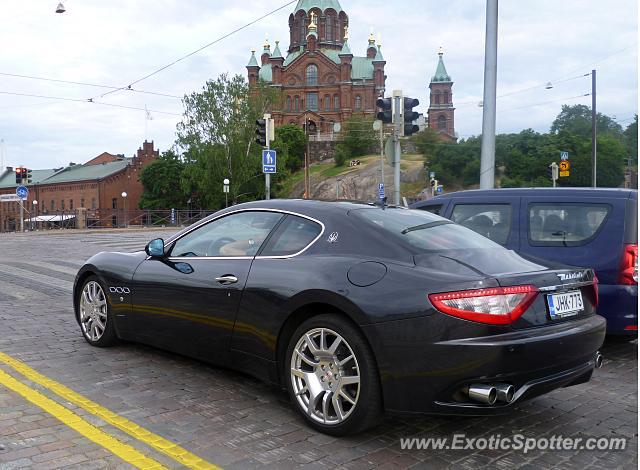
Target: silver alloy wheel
(325,376)
(93,311)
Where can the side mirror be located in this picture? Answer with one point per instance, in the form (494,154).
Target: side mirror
(155,248)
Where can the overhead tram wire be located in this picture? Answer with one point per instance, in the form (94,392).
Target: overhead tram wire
(171,64)
(70,82)
(90,101)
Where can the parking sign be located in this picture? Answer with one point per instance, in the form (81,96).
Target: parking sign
(381,190)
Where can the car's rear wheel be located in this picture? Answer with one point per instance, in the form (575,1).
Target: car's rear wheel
(332,377)
(94,314)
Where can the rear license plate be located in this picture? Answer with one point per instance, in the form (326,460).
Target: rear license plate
(564,305)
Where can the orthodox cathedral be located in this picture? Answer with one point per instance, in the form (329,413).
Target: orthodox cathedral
(322,82)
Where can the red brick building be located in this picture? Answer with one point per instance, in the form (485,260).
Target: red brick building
(321,80)
(441,111)
(91,191)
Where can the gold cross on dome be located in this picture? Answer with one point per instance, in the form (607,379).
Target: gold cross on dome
(313,17)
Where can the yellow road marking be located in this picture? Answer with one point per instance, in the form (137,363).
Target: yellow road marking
(155,441)
(88,430)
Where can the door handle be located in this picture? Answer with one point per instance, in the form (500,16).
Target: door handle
(227,279)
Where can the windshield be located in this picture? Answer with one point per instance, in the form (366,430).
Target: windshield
(423,230)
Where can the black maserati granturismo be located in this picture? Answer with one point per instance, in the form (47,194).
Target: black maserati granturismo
(353,308)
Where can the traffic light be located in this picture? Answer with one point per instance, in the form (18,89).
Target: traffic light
(261,132)
(26,176)
(19,175)
(386,110)
(552,172)
(410,116)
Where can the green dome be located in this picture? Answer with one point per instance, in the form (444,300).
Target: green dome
(323,5)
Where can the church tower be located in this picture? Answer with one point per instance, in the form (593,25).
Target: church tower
(441,110)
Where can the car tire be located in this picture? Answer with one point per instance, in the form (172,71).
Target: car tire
(332,376)
(94,314)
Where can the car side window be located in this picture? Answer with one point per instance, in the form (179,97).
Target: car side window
(434,209)
(561,224)
(490,220)
(240,234)
(292,236)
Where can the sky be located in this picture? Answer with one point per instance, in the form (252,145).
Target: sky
(117,42)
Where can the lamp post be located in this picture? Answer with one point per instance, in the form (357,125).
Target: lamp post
(34,213)
(225,189)
(124,198)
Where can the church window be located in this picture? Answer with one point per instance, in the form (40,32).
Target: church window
(442,122)
(436,97)
(327,103)
(297,103)
(70,204)
(62,204)
(53,205)
(303,29)
(329,28)
(93,203)
(312,101)
(358,103)
(288,104)
(336,103)
(312,75)
(445,97)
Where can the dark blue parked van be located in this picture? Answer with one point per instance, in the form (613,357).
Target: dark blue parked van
(586,227)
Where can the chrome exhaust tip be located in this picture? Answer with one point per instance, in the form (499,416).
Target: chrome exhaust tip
(483,393)
(598,360)
(505,392)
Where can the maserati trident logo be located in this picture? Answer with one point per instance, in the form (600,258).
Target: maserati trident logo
(569,276)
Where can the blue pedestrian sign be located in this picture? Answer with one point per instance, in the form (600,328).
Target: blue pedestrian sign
(381,190)
(268,161)
(439,190)
(564,156)
(22,192)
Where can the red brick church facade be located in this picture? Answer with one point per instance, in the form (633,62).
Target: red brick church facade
(322,82)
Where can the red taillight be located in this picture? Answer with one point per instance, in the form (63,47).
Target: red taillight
(631,327)
(494,305)
(629,265)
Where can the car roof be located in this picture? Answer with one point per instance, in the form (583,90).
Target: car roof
(614,193)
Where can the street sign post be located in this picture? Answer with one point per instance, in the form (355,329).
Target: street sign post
(9,198)
(23,193)
(381,191)
(564,156)
(269,159)
(564,167)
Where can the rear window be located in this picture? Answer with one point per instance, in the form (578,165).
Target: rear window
(490,220)
(566,224)
(424,231)
(293,236)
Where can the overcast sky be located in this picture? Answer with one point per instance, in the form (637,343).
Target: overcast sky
(119,41)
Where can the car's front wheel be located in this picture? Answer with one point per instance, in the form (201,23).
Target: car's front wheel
(94,314)
(332,377)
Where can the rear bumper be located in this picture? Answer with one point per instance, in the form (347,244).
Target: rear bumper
(535,361)
(619,305)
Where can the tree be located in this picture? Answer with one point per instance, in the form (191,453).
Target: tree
(577,120)
(217,135)
(162,183)
(291,144)
(358,138)
(631,139)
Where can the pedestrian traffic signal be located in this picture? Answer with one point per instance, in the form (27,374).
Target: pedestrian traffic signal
(19,175)
(26,176)
(261,132)
(410,116)
(386,110)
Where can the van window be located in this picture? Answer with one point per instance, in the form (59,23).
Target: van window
(434,209)
(563,224)
(490,220)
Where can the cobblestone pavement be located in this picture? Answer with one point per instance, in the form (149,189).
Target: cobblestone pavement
(230,419)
